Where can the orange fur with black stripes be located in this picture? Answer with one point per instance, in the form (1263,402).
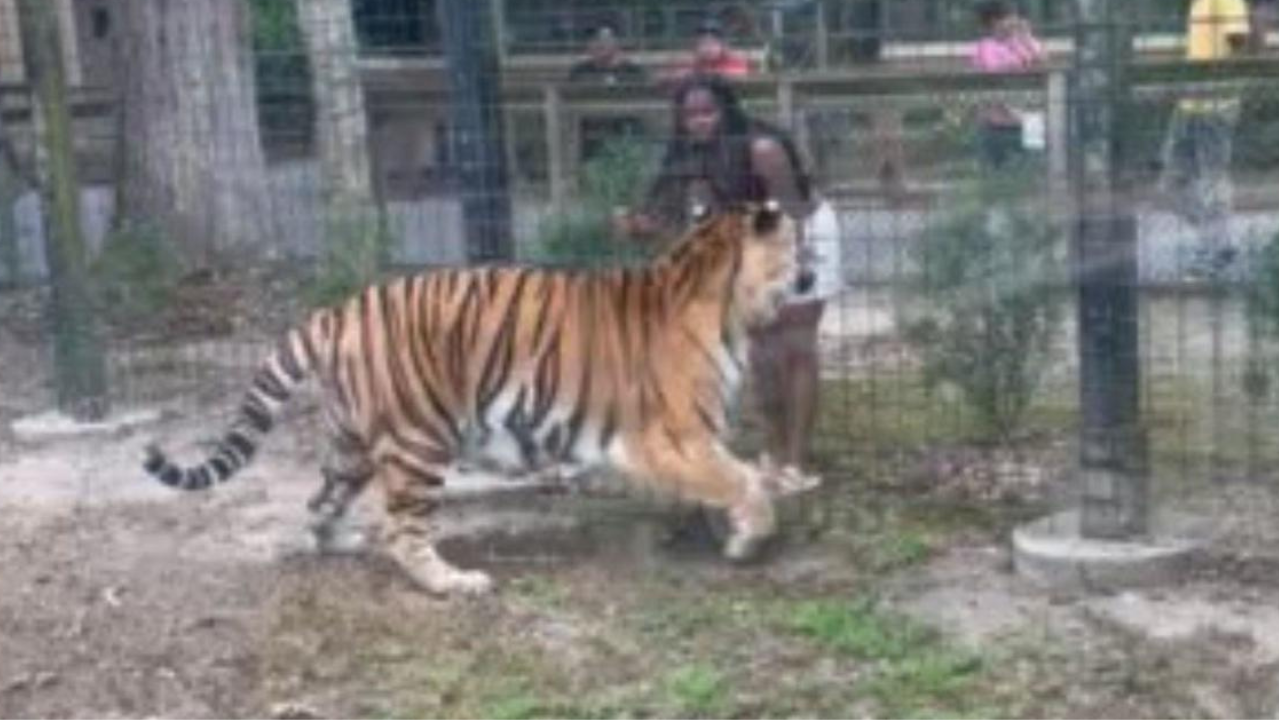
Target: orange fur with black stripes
(527,368)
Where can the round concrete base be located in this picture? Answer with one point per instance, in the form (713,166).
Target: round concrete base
(54,425)
(1051,552)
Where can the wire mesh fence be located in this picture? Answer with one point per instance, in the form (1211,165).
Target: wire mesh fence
(949,356)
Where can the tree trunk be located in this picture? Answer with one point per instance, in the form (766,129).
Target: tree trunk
(192,166)
(342,130)
(355,243)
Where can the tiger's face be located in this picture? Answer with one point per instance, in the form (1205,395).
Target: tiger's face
(770,266)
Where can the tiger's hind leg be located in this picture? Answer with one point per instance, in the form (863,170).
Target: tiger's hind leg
(346,475)
(412,498)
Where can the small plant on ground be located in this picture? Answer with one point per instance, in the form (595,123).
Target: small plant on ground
(856,628)
(698,690)
(518,706)
(356,246)
(916,672)
(135,273)
(992,272)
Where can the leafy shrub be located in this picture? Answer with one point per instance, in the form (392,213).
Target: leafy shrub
(357,243)
(992,270)
(135,273)
(582,235)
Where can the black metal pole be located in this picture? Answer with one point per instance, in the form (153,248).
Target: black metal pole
(476,128)
(1113,456)
(79,366)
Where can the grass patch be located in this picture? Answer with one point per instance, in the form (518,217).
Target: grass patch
(698,690)
(540,591)
(901,549)
(518,706)
(937,682)
(915,673)
(856,628)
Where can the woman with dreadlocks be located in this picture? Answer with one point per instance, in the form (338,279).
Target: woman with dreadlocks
(719,156)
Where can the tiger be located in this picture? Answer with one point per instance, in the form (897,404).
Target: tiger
(628,368)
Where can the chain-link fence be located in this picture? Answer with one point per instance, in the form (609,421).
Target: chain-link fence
(219,206)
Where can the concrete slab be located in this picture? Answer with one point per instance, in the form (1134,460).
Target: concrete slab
(54,425)
(1051,552)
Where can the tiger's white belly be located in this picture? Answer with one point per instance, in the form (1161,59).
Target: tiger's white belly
(493,441)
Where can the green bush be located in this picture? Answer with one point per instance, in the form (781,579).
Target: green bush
(357,244)
(582,234)
(989,298)
(135,273)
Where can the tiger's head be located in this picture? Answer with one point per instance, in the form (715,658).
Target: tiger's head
(769,266)
(745,257)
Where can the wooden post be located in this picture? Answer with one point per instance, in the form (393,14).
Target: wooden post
(791,118)
(10,189)
(70,43)
(80,370)
(1056,124)
(498,11)
(552,112)
(786,103)
(821,40)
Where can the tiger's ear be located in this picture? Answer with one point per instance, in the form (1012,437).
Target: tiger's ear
(768,217)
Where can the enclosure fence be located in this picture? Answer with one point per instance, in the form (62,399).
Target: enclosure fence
(950,357)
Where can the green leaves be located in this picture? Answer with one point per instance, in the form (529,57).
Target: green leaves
(992,277)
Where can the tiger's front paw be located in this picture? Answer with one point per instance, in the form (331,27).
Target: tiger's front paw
(753,522)
(742,547)
(455,582)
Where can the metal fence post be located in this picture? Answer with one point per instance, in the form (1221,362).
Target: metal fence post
(1112,440)
(10,251)
(78,359)
(553,117)
(1057,121)
(476,127)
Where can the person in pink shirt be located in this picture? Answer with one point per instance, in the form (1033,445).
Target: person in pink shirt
(711,56)
(1008,47)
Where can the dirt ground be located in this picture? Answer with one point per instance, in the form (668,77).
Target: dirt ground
(120,598)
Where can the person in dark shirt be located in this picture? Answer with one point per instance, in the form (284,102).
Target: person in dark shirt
(606,65)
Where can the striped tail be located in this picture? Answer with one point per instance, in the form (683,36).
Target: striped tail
(271,388)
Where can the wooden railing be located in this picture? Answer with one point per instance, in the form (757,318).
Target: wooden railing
(795,101)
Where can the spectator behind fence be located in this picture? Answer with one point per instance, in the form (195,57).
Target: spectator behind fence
(606,65)
(717,157)
(711,55)
(1196,176)
(1009,46)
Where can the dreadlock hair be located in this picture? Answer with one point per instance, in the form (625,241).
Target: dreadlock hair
(723,162)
